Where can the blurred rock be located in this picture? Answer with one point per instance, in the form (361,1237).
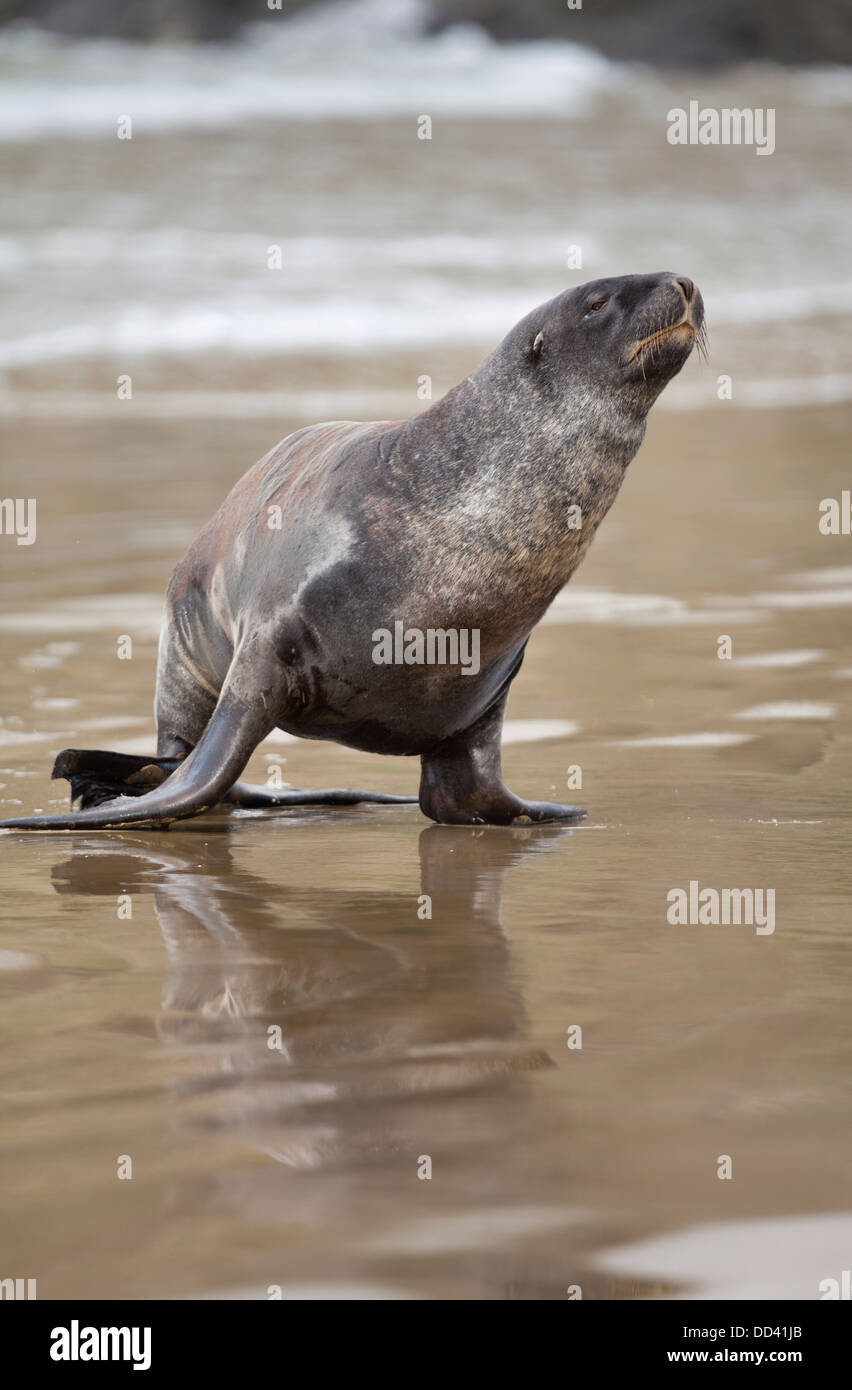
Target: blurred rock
(673,33)
(666,33)
(149,20)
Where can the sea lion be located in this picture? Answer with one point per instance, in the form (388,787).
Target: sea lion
(467,518)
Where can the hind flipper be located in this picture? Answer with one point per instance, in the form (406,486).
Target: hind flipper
(97,777)
(200,781)
(257,798)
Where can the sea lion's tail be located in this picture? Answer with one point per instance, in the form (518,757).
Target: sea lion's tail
(199,782)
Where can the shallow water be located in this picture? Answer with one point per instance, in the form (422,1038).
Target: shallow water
(447,1037)
(401,1038)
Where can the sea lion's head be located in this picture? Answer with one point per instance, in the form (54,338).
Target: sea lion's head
(628,334)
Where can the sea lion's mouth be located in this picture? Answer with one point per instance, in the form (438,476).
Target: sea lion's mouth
(693,334)
(645,344)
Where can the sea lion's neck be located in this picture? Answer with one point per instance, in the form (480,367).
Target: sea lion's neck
(531,480)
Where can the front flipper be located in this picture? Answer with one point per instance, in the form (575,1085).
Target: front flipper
(462,781)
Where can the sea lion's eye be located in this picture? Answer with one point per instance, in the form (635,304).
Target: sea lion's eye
(595,305)
(538,344)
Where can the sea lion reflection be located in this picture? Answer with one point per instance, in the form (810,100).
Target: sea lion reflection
(295,1002)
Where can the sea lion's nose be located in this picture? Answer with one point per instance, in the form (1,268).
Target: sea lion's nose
(687,286)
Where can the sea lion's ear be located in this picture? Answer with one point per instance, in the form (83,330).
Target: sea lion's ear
(538,344)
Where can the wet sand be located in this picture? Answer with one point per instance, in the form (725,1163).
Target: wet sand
(447,1037)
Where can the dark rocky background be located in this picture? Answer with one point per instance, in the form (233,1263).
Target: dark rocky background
(667,33)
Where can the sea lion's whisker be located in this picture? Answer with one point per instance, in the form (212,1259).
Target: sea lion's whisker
(702,345)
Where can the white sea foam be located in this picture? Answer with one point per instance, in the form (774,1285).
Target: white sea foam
(777,660)
(20,960)
(699,740)
(292,70)
(578,603)
(75,247)
(11,738)
(775,1258)
(826,574)
(263,325)
(790,709)
(141,614)
(813,598)
(536,730)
